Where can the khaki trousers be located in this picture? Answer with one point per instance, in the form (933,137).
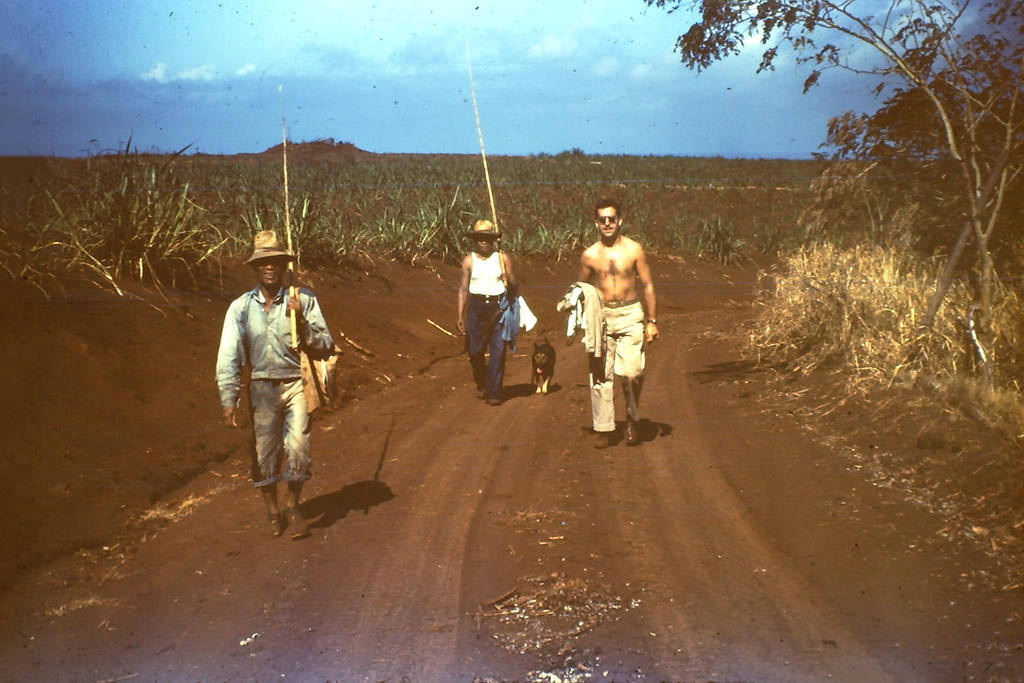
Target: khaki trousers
(624,359)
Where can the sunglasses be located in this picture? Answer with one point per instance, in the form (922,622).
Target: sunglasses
(606,220)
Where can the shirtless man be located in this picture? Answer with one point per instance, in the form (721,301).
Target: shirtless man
(617,267)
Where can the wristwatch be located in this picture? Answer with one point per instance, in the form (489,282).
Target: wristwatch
(652,320)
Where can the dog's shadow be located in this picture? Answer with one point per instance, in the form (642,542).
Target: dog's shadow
(527,390)
(327,509)
(648,430)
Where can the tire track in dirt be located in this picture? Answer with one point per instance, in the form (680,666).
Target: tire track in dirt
(527,500)
(722,599)
(660,523)
(397,609)
(373,595)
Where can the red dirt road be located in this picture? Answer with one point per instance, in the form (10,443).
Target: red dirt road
(452,540)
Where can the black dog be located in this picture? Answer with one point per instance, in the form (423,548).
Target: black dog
(543,365)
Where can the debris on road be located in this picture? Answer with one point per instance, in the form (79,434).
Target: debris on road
(450,334)
(554,611)
(248,641)
(358,347)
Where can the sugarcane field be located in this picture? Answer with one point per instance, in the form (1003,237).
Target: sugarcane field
(797,497)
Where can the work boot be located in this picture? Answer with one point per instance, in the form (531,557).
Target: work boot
(604,440)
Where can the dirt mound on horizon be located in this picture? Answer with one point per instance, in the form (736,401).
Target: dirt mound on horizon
(325,149)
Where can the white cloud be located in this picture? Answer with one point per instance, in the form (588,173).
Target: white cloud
(158,73)
(204,72)
(246,70)
(551,47)
(606,66)
(641,72)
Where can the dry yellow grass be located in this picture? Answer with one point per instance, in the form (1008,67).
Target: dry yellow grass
(73,606)
(858,310)
(175,511)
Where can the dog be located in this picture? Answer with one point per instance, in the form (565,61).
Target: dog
(543,365)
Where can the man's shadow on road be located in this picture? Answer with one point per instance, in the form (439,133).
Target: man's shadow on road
(646,430)
(327,509)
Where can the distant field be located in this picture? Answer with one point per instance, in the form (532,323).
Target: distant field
(156,218)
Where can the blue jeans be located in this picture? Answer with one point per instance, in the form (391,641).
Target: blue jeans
(483,333)
(280,425)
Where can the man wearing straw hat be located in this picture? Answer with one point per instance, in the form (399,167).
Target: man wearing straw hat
(484,297)
(257,333)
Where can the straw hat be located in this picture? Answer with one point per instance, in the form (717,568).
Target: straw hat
(483,228)
(266,246)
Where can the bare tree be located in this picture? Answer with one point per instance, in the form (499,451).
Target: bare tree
(967,63)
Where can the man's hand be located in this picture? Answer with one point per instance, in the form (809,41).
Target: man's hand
(295,305)
(651,331)
(461,325)
(229,418)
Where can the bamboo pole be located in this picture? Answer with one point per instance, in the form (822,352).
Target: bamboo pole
(483,156)
(287,221)
(480,137)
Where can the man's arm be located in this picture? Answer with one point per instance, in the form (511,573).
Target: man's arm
(510,277)
(586,268)
(467,264)
(230,357)
(643,272)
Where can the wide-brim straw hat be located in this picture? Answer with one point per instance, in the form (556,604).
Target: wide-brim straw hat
(483,228)
(266,246)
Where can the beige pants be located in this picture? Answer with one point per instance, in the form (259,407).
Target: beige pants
(623,359)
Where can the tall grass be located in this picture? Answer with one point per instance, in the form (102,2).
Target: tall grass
(857,310)
(126,218)
(714,240)
(153,219)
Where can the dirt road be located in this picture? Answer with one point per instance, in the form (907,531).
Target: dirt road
(453,540)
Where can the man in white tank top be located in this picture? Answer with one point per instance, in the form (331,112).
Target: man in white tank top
(486,277)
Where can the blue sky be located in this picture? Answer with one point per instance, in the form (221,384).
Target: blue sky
(390,76)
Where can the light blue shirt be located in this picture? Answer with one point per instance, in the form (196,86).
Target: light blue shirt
(263,340)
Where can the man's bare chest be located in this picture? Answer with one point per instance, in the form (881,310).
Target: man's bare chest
(616,263)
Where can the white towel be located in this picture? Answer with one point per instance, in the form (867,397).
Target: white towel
(527,320)
(586,313)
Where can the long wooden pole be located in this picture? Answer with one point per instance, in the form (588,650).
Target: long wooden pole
(287,221)
(483,156)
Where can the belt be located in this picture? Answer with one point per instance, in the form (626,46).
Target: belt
(619,304)
(275,380)
(487,298)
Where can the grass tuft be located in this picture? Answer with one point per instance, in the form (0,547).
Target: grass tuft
(128,218)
